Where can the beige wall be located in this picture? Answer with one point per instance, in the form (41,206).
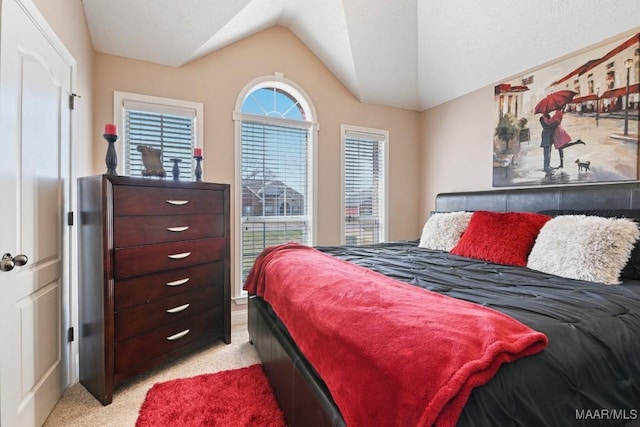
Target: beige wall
(216,80)
(67,19)
(456,137)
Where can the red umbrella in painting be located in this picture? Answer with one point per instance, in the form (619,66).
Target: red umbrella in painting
(554,101)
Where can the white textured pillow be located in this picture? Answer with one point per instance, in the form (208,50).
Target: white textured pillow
(583,247)
(443,230)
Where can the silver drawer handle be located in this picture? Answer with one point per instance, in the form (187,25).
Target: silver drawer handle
(178,335)
(177,282)
(179,256)
(178,309)
(177,202)
(178,229)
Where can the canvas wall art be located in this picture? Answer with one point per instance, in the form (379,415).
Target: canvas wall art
(575,121)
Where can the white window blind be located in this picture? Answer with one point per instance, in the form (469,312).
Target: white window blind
(364,197)
(168,128)
(275,185)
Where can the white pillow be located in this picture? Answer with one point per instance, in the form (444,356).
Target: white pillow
(583,247)
(443,230)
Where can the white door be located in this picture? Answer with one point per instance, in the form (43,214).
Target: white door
(35,83)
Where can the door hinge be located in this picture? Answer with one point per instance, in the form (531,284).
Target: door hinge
(70,218)
(70,336)
(72,100)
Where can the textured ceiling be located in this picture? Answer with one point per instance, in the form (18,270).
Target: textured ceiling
(412,54)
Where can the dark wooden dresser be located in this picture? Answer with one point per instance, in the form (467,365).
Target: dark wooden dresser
(154,274)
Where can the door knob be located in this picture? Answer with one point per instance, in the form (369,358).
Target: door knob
(8,262)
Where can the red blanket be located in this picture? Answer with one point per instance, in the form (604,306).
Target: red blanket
(390,353)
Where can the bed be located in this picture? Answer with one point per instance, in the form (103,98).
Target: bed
(588,374)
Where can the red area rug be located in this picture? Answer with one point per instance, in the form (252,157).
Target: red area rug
(237,397)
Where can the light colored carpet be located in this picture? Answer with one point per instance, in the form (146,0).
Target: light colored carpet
(78,408)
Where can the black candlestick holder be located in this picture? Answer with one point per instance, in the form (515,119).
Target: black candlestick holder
(111,159)
(198,170)
(176,169)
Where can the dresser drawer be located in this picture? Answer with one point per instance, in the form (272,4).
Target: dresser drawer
(141,348)
(135,200)
(141,318)
(141,289)
(139,260)
(145,230)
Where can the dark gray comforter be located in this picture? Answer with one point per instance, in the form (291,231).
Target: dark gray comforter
(590,372)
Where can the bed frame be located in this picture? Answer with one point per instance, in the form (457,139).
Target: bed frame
(302,395)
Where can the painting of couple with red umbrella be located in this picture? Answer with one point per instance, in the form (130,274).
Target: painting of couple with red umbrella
(575,121)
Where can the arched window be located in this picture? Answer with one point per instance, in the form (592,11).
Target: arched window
(275,134)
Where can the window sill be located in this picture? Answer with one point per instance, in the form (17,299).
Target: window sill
(241,300)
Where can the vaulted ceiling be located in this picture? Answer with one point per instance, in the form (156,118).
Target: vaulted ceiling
(412,54)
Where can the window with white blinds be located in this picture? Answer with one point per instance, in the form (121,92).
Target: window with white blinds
(276,172)
(164,124)
(364,185)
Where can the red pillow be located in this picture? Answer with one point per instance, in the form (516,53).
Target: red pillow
(500,237)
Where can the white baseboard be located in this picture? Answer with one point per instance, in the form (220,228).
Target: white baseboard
(239,318)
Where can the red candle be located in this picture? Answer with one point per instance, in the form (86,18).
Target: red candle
(110,129)
(197,152)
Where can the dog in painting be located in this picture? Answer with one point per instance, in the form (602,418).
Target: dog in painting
(583,165)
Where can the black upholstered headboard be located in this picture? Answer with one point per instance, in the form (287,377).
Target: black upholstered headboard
(595,196)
